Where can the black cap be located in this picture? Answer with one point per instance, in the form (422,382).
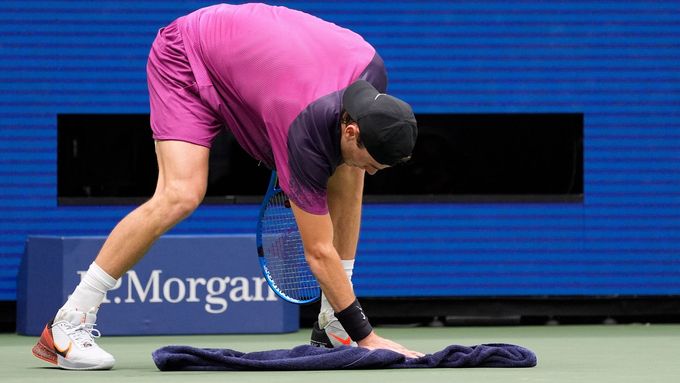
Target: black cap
(387,125)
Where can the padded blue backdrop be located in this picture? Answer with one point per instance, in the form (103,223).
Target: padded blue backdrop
(618,62)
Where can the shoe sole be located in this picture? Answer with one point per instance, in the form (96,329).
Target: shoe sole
(41,351)
(68,365)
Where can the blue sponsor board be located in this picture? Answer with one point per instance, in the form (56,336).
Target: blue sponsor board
(184,285)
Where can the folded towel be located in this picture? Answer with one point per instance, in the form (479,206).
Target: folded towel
(185,358)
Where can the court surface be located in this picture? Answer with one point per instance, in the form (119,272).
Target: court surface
(602,354)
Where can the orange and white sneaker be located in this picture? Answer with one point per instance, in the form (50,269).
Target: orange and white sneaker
(68,342)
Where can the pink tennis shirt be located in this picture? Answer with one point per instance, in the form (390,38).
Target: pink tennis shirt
(275,78)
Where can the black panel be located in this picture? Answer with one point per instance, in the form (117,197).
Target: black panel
(490,154)
(105,156)
(110,159)
(106,159)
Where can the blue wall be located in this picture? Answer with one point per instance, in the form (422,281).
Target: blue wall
(616,62)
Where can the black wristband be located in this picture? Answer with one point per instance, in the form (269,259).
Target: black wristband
(354,321)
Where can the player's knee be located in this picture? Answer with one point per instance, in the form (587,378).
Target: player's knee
(179,200)
(186,200)
(316,253)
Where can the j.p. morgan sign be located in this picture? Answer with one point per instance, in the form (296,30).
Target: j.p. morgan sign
(184,285)
(213,294)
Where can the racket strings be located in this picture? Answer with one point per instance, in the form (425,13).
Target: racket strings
(284,253)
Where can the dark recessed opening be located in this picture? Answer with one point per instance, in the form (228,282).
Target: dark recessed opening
(110,159)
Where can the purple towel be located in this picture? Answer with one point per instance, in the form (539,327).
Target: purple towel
(185,358)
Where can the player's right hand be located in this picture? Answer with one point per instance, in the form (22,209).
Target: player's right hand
(373,341)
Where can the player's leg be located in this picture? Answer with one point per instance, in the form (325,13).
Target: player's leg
(183,174)
(179,118)
(68,340)
(345,191)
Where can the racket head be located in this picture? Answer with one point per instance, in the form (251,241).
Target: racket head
(280,250)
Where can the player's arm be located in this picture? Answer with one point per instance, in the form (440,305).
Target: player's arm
(324,261)
(345,192)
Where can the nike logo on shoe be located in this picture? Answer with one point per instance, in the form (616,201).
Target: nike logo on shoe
(346,341)
(64,352)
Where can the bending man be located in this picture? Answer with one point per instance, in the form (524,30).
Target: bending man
(301,95)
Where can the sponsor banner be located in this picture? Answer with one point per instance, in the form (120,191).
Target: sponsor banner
(184,285)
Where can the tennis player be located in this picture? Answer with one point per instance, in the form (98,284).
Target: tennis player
(301,95)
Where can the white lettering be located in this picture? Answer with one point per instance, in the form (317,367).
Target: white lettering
(212,297)
(216,292)
(193,282)
(152,285)
(258,282)
(272,295)
(181,290)
(240,292)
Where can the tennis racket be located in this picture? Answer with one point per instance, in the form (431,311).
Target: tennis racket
(280,251)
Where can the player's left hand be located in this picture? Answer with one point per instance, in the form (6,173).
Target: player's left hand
(373,341)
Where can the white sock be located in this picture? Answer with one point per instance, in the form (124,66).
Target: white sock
(91,290)
(326,314)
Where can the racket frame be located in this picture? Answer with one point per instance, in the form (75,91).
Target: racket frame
(272,190)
